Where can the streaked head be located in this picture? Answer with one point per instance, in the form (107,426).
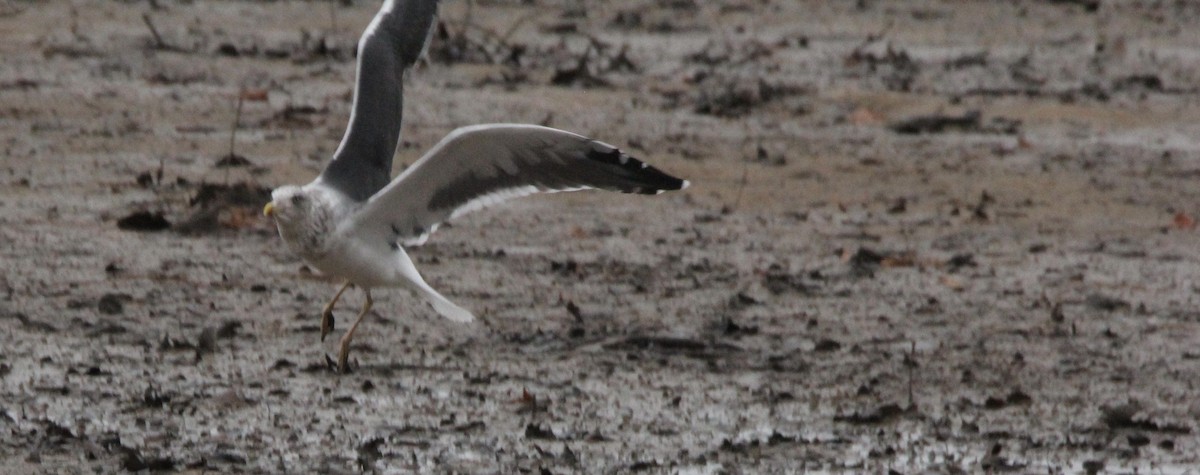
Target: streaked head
(289,203)
(301,217)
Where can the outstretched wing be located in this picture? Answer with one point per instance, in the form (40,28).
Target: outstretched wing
(482,165)
(362,164)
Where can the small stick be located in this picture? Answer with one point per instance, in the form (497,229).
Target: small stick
(74,22)
(237,118)
(911,352)
(742,184)
(333,17)
(158,41)
(161,164)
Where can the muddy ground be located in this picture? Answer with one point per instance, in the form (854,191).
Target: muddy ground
(922,236)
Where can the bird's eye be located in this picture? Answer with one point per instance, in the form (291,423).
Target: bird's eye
(297,199)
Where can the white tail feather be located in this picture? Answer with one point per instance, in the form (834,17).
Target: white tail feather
(449,310)
(441,304)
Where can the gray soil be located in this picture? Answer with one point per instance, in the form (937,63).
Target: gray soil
(921,236)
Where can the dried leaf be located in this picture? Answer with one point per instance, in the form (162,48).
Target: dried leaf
(1184,221)
(254,95)
(903,259)
(240,217)
(952,282)
(864,116)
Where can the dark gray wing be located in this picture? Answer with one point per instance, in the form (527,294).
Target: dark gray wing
(483,165)
(362,164)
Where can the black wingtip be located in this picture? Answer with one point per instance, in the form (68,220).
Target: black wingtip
(645,179)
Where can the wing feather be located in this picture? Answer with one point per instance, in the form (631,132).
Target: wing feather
(478,166)
(362,164)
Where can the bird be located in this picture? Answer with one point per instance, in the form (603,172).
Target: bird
(354,221)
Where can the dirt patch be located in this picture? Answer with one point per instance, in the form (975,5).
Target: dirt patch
(924,236)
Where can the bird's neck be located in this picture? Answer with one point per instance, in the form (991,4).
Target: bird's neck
(308,235)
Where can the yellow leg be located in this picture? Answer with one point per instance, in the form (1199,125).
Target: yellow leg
(327,314)
(344,345)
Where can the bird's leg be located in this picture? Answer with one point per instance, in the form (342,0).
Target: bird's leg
(327,314)
(344,351)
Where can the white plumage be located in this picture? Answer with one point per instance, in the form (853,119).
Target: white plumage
(352,220)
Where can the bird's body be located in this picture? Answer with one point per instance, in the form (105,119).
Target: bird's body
(321,235)
(321,230)
(351,222)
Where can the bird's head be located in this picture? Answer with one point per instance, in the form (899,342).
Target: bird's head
(302,217)
(289,204)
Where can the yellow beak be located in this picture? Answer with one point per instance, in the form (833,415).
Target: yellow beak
(269,209)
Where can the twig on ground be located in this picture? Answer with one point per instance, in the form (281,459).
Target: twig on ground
(741,185)
(158,41)
(237,118)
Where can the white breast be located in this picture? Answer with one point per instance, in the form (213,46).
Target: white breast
(362,263)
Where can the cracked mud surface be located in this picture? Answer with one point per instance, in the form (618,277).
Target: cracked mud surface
(921,236)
